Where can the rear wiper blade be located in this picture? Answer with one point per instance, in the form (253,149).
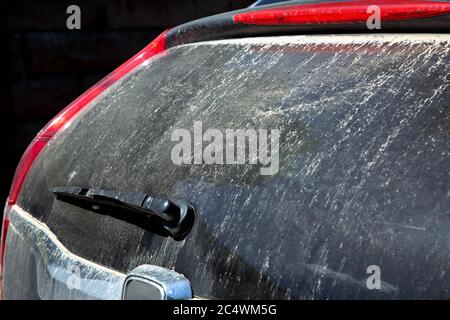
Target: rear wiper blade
(175,217)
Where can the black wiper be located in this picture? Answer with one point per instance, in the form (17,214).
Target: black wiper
(162,216)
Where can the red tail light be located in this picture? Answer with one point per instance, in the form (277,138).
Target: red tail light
(64,118)
(343,12)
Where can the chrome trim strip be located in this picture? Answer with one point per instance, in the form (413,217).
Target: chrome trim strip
(61,274)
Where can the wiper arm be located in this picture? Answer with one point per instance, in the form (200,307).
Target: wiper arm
(134,207)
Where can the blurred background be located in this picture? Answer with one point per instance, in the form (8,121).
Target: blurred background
(44,65)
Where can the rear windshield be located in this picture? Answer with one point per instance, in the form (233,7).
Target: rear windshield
(351,167)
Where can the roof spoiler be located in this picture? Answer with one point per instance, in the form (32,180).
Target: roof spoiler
(319,17)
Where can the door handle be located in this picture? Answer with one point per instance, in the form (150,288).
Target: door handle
(149,282)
